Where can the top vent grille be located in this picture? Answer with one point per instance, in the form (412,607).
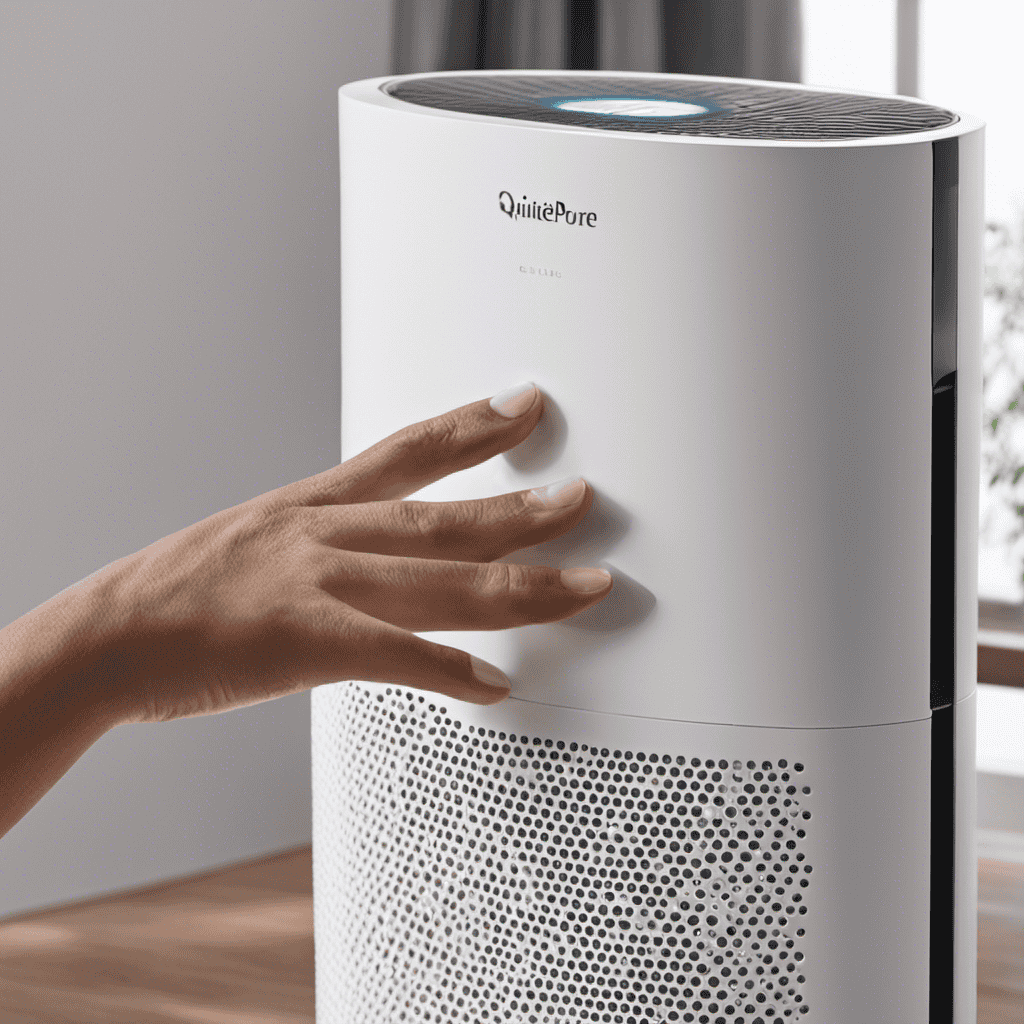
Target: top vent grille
(734,109)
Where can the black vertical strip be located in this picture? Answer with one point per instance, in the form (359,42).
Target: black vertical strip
(945,176)
(942,960)
(945,187)
(943,592)
(581,43)
(480,51)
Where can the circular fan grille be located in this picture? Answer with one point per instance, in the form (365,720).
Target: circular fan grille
(735,110)
(490,877)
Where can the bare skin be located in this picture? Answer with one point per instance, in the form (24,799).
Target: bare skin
(322,580)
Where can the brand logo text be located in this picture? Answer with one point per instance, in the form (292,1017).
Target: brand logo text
(553,213)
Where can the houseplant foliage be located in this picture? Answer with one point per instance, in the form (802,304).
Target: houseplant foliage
(1002,436)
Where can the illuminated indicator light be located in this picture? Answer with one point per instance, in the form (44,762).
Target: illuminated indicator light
(633,107)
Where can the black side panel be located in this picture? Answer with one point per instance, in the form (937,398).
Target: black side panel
(945,178)
(943,616)
(945,186)
(942,867)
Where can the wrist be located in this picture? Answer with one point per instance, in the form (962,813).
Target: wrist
(52,704)
(63,652)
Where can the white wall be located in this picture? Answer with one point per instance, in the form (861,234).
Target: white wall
(1001,772)
(849,44)
(169,334)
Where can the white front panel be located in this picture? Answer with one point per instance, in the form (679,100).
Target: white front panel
(471,862)
(737,357)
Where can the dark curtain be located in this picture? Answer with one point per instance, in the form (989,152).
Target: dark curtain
(733,38)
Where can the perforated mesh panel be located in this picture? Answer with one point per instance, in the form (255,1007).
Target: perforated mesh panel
(490,877)
(739,110)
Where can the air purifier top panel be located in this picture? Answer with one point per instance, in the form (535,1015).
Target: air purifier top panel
(735,346)
(665,104)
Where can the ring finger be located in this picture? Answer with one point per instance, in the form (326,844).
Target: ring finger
(423,594)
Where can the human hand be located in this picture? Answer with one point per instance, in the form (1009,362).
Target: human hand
(328,578)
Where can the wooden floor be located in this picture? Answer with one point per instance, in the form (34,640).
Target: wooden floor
(1000,942)
(236,947)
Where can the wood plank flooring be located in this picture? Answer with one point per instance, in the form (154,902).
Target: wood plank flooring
(1000,942)
(235,946)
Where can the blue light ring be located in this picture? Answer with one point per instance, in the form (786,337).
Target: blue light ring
(712,107)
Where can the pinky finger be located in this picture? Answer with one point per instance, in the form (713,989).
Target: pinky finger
(380,652)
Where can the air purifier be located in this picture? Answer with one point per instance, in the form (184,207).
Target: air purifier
(741,788)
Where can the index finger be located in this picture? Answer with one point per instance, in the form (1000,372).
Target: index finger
(423,452)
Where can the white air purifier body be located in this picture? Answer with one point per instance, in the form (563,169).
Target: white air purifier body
(740,789)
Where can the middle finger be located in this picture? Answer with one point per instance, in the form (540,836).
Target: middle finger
(480,530)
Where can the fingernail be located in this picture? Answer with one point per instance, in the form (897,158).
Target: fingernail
(586,580)
(488,674)
(562,493)
(515,401)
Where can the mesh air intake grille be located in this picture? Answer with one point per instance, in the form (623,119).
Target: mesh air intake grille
(735,110)
(478,876)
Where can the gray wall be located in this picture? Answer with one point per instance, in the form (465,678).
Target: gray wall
(169,340)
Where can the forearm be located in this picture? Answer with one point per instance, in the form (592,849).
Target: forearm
(49,710)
